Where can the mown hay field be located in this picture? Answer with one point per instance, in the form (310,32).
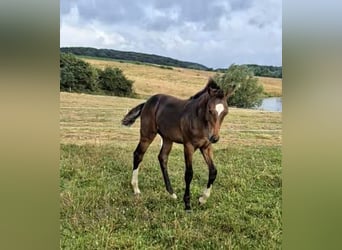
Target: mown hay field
(99,210)
(181,82)
(91,119)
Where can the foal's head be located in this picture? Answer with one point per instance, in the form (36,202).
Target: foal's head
(216,109)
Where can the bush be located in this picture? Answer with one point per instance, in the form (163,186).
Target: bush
(76,75)
(249,92)
(113,82)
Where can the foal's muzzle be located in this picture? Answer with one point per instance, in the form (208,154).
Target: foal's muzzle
(214,138)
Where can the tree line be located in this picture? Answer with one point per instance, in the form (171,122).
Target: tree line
(267,71)
(79,76)
(261,70)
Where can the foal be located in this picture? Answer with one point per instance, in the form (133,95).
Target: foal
(194,122)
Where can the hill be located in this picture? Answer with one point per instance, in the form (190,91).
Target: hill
(132,56)
(258,70)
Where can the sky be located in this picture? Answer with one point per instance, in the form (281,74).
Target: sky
(215,33)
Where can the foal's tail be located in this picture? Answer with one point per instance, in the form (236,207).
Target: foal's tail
(132,115)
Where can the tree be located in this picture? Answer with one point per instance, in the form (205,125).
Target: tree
(113,82)
(249,92)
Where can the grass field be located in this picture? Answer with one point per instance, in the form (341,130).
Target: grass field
(99,210)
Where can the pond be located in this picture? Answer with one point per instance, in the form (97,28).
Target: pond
(271,104)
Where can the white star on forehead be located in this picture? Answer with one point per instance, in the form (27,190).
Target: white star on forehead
(219,108)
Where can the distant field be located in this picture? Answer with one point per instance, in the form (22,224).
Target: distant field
(272,86)
(180,82)
(98,208)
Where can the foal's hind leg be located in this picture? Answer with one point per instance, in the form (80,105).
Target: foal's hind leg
(208,155)
(137,158)
(163,158)
(188,152)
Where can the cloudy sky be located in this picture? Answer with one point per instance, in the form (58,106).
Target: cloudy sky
(215,33)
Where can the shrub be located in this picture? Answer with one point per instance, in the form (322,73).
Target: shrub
(76,75)
(113,82)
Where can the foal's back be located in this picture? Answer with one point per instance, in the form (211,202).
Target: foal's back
(165,112)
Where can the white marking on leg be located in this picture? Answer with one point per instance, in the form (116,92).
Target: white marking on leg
(174,196)
(219,108)
(134,181)
(205,195)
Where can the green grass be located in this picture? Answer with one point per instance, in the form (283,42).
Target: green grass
(99,210)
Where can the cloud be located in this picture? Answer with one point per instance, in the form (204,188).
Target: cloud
(215,33)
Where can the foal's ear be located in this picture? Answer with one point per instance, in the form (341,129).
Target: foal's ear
(212,84)
(211,91)
(218,93)
(212,87)
(231,89)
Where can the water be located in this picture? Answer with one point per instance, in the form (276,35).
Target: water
(271,104)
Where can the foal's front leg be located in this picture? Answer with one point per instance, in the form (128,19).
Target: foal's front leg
(207,153)
(188,152)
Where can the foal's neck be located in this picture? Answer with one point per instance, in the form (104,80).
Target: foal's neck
(199,105)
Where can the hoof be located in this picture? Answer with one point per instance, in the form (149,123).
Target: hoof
(202,200)
(188,210)
(174,196)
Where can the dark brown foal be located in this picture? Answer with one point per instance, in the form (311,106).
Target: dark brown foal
(195,123)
